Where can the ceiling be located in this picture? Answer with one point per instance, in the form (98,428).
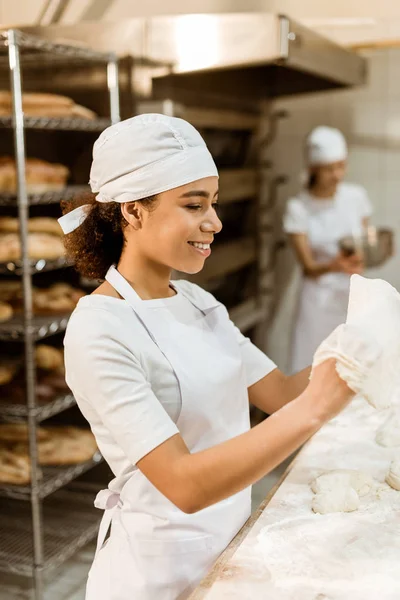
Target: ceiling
(346,21)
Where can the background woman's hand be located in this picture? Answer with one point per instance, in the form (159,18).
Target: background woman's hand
(352,265)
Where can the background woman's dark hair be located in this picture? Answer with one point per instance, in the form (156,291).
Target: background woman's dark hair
(312,180)
(98,243)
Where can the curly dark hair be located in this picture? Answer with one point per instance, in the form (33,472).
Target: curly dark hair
(98,242)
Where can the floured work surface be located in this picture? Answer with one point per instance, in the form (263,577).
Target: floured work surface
(290,553)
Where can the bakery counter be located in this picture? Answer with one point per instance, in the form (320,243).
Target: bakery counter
(288,552)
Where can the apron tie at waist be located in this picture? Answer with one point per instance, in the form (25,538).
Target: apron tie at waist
(109,502)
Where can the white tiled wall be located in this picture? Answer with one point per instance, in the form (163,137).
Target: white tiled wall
(370,119)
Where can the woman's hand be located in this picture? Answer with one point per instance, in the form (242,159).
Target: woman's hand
(352,265)
(331,394)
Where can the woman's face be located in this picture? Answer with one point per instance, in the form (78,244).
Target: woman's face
(328,176)
(178,231)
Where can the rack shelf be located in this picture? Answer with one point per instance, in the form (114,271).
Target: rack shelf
(46,198)
(19,412)
(58,124)
(53,478)
(70,521)
(13,330)
(36,266)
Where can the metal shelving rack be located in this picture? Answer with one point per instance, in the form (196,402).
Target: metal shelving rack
(66,520)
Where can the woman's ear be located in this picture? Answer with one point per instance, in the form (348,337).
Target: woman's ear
(132,213)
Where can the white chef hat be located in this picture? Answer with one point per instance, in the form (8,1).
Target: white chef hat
(325,145)
(143,156)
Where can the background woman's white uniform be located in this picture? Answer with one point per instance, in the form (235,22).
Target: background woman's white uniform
(142,371)
(322,304)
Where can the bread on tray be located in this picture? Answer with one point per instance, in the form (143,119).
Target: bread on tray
(41,176)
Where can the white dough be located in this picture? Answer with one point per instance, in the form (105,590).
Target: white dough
(393,476)
(388,434)
(367,347)
(341,499)
(332,480)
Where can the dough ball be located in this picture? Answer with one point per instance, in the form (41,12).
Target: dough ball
(332,480)
(341,499)
(393,476)
(388,435)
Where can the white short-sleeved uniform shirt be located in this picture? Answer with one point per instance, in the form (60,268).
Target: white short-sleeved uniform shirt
(122,382)
(326,221)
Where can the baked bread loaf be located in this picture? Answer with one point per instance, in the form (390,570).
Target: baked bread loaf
(18,432)
(40,246)
(44,105)
(67,446)
(49,358)
(6,312)
(41,176)
(7,373)
(14,469)
(35,225)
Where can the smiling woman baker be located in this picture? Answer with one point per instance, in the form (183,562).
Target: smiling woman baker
(161,373)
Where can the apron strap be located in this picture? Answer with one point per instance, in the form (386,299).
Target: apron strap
(109,502)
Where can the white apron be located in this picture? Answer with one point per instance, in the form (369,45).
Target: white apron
(155,551)
(323,301)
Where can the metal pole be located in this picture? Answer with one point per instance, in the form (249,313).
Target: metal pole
(113,89)
(23,214)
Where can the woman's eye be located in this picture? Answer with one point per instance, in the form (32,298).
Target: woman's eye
(193,206)
(215,206)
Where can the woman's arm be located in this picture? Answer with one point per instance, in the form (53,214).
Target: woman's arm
(276,389)
(314,269)
(194,481)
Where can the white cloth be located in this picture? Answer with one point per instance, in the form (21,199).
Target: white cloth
(367,348)
(143,156)
(154,549)
(123,384)
(325,145)
(323,301)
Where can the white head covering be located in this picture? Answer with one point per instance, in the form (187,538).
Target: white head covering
(141,157)
(325,145)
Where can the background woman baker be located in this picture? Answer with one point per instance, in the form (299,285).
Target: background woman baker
(325,211)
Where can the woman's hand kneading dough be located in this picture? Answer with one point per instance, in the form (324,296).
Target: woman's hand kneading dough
(331,394)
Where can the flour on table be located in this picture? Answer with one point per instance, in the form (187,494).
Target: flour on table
(343,498)
(332,480)
(388,435)
(393,476)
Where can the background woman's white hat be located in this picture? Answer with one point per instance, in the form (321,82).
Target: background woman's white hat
(325,145)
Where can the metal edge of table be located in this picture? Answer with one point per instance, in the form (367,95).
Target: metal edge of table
(201,591)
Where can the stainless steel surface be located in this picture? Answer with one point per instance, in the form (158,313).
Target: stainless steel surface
(34,266)
(51,479)
(18,412)
(23,215)
(375,246)
(250,54)
(41,327)
(39,50)
(70,521)
(113,90)
(67,193)
(59,124)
